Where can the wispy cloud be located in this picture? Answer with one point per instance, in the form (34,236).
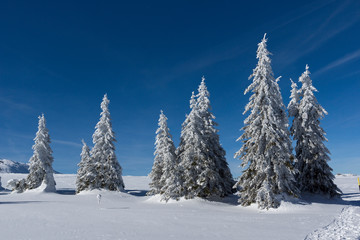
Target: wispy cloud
(331,27)
(68,143)
(305,12)
(347,58)
(231,49)
(15,105)
(326,22)
(63,142)
(31,62)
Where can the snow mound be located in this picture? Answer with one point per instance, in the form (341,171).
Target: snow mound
(159,199)
(346,226)
(9,166)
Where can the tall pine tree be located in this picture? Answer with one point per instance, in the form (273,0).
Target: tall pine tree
(108,170)
(266,149)
(40,167)
(314,173)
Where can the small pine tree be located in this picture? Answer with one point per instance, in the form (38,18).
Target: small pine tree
(293,107)
(266,149)
(164,174)
(107,168)
(40,167)
(314,174)
(86,172)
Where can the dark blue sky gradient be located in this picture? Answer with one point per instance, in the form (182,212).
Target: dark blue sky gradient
(60,58)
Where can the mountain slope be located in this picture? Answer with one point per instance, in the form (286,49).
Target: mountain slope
(9,166)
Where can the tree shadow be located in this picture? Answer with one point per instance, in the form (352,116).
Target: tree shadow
(230,200)
(137,193)
(21,202)
(314,198)
(305,199)
(115,208)
(66,191)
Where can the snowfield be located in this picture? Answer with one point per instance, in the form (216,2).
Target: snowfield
(133,215)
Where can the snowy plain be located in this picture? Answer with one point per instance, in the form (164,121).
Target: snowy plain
(133,215)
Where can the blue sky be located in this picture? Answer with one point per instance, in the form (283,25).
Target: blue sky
(60,58)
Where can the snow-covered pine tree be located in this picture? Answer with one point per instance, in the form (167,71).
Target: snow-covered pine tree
(187,152)
(293,108)
(200,154)
(213,148)
(108,170)
(314,173)
(86,172)
(164,175)
(161,150)
(40,167)
(266,149)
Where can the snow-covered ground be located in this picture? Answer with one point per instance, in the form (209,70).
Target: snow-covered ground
(132,215)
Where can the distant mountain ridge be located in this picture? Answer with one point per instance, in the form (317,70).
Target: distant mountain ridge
(9,166)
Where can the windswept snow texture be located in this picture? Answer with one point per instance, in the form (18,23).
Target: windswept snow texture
(134,216)
(346,226)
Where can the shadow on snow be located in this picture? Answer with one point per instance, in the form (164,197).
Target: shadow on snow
(137,193)
(21,202)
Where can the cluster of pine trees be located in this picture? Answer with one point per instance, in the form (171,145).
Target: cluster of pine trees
(98,168)
(272,171)
(197,168)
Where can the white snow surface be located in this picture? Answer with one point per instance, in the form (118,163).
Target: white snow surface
(133,215)
(346,226)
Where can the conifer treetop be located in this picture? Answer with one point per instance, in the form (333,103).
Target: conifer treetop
(294,99)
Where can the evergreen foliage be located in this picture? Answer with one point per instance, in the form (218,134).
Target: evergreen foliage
(202,159)
(40,168)
(165,176)
(86,172)
(314,173)
(40,164)
(108,172)
(266,149)
(213,148)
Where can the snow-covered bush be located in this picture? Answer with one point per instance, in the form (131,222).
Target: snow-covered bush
(17,185)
